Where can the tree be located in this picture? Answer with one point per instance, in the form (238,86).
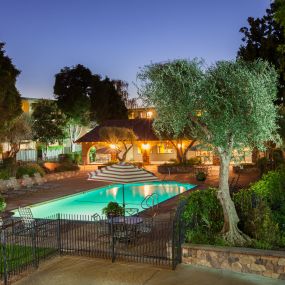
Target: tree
(10,98)
(229,106)
(280,13)
(16,133)
(48,122)
(165,132)
(263,39)
(106,101)
(121,140)
(72,92)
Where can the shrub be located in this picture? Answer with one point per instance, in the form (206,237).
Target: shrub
(262,211)
(4,174)
(65,158)
(66,166)
(203,217)
(262,164)
(194,161)
(201,176)
(2,204)
(29,169)
(113,209)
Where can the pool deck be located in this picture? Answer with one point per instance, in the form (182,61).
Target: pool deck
(86,271)
(80,183)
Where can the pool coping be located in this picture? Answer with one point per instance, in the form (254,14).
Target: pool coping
(113,185)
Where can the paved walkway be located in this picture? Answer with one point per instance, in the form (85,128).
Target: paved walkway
(85,271)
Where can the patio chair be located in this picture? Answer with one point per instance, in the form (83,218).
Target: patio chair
(123,232)
(102,225)
(28,225)
(146,226)
(3,186)
(38,179)
(131,211)
(13,184)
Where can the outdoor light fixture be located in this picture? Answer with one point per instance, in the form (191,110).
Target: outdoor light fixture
(145,146)
(113,146)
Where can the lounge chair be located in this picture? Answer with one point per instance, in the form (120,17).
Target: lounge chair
(27,181)
(146,226)
(13,184)
(38,179)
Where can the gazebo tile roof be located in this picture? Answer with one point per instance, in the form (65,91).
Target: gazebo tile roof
(141,127)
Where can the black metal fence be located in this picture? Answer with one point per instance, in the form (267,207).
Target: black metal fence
(144,240)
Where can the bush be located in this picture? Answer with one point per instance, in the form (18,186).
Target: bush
(29,169)
(113,209)
(72,158)
(203,217)
(201,176)
(2,204)
(66,166)
(262,211)
(4,174)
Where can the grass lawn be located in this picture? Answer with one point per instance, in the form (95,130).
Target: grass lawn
(19,256)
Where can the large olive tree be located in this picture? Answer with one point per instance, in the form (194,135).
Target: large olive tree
(228,105)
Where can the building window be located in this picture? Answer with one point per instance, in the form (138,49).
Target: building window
(164,148)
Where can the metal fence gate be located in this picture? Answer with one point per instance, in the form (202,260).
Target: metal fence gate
(153,241)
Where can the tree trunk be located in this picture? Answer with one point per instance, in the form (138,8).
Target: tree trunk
(124,155)
(230,229)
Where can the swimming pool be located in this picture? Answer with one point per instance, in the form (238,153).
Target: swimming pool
(93,201)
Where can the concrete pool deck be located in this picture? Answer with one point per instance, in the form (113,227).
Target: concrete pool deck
(80,183)
(86,271)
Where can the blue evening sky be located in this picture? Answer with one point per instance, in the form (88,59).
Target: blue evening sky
(116,37)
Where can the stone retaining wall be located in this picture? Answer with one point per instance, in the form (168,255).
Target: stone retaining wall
(263,262)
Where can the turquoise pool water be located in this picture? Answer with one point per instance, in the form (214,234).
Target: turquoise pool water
(93,201)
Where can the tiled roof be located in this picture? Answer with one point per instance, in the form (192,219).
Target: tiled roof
(141,127)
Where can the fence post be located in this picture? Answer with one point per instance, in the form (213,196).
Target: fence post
(58,234)
(34,245)
(173,245)
(113,240)
(4,256)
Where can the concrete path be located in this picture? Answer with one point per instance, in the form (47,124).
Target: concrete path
(85,271)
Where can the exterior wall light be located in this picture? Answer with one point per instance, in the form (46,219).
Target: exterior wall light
(113,146)
(145,146)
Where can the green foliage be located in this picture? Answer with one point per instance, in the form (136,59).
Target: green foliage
(4,174)
(261,210)
(229,104)
(49,123)
(72,91)
(106,101)
(74,157)
(201,176)
(29,169)
(18,131)
(262,164)
(10,100)
(67,166)
(264,39)
(2,204)
(203,216)
(113,209)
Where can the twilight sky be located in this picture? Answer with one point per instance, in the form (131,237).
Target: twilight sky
(116,37)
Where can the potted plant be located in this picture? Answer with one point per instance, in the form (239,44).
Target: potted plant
(113,209)
(201,176)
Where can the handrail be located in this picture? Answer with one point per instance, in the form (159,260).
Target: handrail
(153,197)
